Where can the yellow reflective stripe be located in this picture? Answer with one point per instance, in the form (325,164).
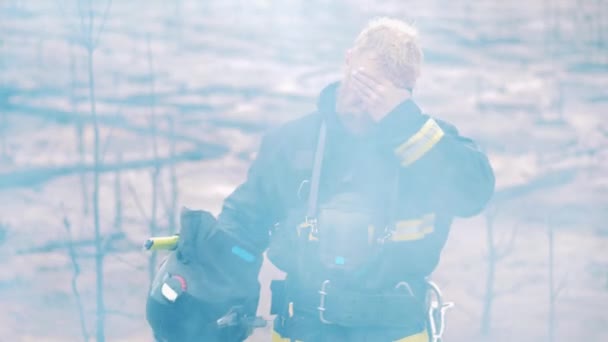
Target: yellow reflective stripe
(371,234)
(420,143)
(408,230)
(416,137)
(412,236)
(408,224)
(275,337)
(419,337)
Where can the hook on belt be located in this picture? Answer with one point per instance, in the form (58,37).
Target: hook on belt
(436,312)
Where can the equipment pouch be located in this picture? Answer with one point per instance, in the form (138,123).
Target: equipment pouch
(346,236)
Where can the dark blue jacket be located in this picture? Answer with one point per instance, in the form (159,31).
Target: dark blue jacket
(441,175)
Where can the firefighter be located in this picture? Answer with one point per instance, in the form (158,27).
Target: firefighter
(353,202)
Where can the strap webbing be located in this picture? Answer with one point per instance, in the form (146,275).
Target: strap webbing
(316,173)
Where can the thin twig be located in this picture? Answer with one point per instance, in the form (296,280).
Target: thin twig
(152,223)
(135,197)
(38,175)
(118,198)
(71,27)
(486,316)
(3,118)
(106,144)
(172,212)
(205,148)
(561,286)
(513,289)
(75,274)
(508,247)
(552,296)
(82,15)
(156,171)
(103,23)
(61,244)
(99,244)
(123,314)
(3,130)
(128,263)
(79,133)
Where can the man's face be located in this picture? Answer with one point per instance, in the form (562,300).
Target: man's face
(351,108)
(357,61)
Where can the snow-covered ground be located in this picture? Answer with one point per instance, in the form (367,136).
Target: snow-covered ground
(225,71)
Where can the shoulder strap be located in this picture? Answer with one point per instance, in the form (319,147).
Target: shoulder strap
(394,200)
(313,196)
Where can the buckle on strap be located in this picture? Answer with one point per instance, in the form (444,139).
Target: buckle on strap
(308,229)
(436,312)
(321,308)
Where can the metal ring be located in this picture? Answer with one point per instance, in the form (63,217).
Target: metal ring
(406,285)
(321,308)
(301,187)
(437,326)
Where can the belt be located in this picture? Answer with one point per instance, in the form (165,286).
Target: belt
(395,308)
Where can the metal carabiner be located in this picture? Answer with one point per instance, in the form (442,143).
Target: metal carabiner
(436,312)
(321,308)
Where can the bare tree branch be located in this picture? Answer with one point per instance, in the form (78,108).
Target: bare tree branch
(486,316)
(206,149)
(81,14)
(515,288)
(106,144)
(561,286)
(173,179)
(3,134)
(100,246)
(118,198)
(156,171)
(75,274)
(152,224)
(116,312)
(61,244)
(508,247)
(38,175)
(103,23)
(71,27)
(135,197)
(128,263)
(79,133)
(552,292)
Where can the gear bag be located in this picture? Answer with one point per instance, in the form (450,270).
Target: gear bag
(182,305)
(179,272)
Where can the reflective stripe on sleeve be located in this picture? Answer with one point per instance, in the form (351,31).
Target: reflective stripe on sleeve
(420,143)
(409,230)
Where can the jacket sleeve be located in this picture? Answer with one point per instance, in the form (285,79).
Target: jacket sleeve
(449,165)
(231,255)
(254,206)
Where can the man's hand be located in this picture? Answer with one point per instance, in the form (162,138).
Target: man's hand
(379,95)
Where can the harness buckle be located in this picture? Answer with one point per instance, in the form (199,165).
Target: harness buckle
(321,308)
(388,235)
(436,312)
(309,226)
